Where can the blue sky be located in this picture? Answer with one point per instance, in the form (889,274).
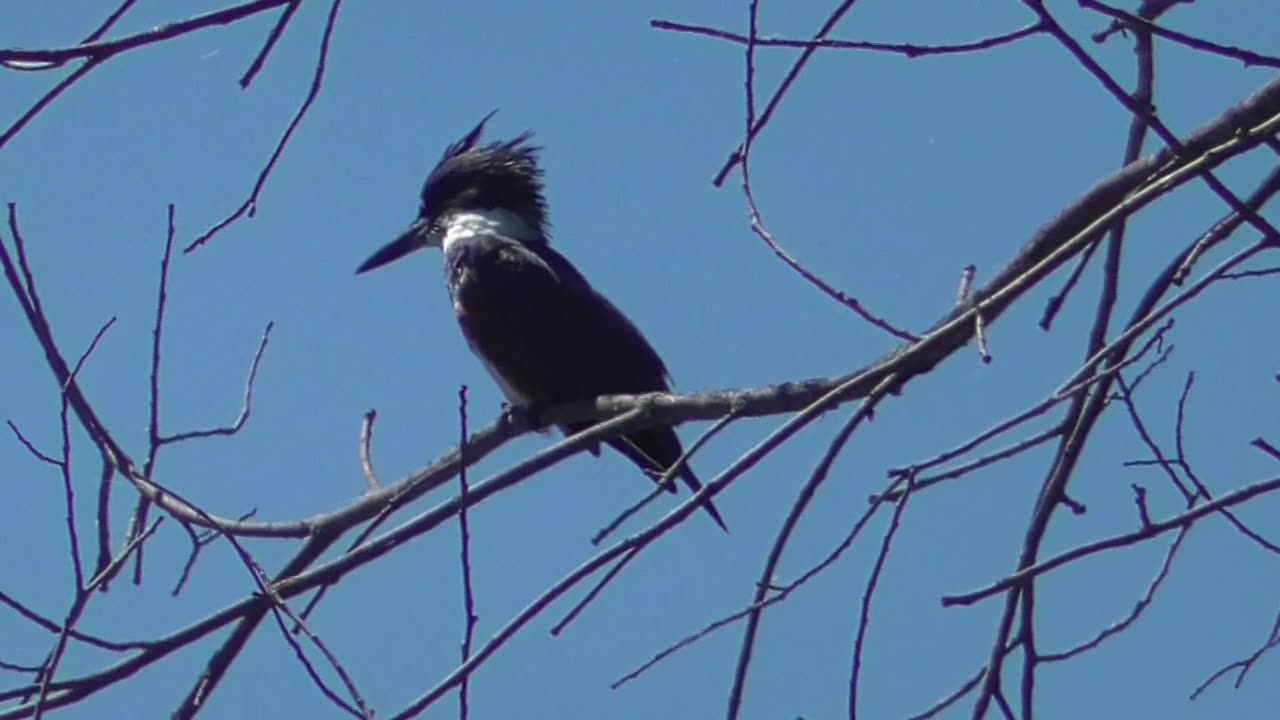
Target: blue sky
(884,174)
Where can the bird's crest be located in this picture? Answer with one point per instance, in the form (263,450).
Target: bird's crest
(469,141)
(500,174)
(512,152)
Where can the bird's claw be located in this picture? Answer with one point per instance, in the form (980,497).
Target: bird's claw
(529,415)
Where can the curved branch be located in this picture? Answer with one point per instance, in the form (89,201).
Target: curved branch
(103,49)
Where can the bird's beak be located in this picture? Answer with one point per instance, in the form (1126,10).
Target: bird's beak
(414,238)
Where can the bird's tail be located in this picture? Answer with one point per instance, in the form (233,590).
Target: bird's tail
(686,474)
(655,450)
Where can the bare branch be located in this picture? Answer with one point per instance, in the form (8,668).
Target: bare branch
(272,38)
(873,581)
(759,123)
(1142,604)
(908,49)
(42,457)
(1144,533)
(366,455)
(798,507)
(245,409)
(468,594)
(1242,667)
(1123,20)
(250,206)
(102,50)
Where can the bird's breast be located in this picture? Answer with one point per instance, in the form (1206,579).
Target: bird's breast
(461,278)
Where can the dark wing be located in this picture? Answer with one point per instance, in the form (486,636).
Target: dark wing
(550,334)
(540,325)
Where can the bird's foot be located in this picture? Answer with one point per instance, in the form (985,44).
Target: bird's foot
(528,414)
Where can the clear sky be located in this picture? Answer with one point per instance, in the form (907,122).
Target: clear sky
(885,174)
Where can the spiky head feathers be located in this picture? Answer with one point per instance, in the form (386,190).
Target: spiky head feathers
(476,177)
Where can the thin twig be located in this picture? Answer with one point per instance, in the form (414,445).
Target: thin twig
(1245,665)
(780,593)
(603,533)
(789,525)
(50,626)
(273,37)
(743,157)
(911,50)
(366,454)
(1142,604)
(1186,519)
(760,122)
(35,452)
(1123,19)
(592,594)
(245,409)
(468,594)
(250,206)
(873,581)
(45,100)
(101,50)
(665,481)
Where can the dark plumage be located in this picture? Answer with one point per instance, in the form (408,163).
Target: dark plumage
(541,330)
(497,175)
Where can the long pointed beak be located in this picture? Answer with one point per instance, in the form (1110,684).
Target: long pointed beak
(412,239)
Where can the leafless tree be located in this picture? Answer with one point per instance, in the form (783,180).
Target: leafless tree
(1116,355)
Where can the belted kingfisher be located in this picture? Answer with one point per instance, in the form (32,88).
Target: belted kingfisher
(545,335)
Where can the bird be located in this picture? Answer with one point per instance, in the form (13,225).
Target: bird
(540,329)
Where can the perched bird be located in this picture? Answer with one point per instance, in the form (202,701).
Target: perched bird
(545,335)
